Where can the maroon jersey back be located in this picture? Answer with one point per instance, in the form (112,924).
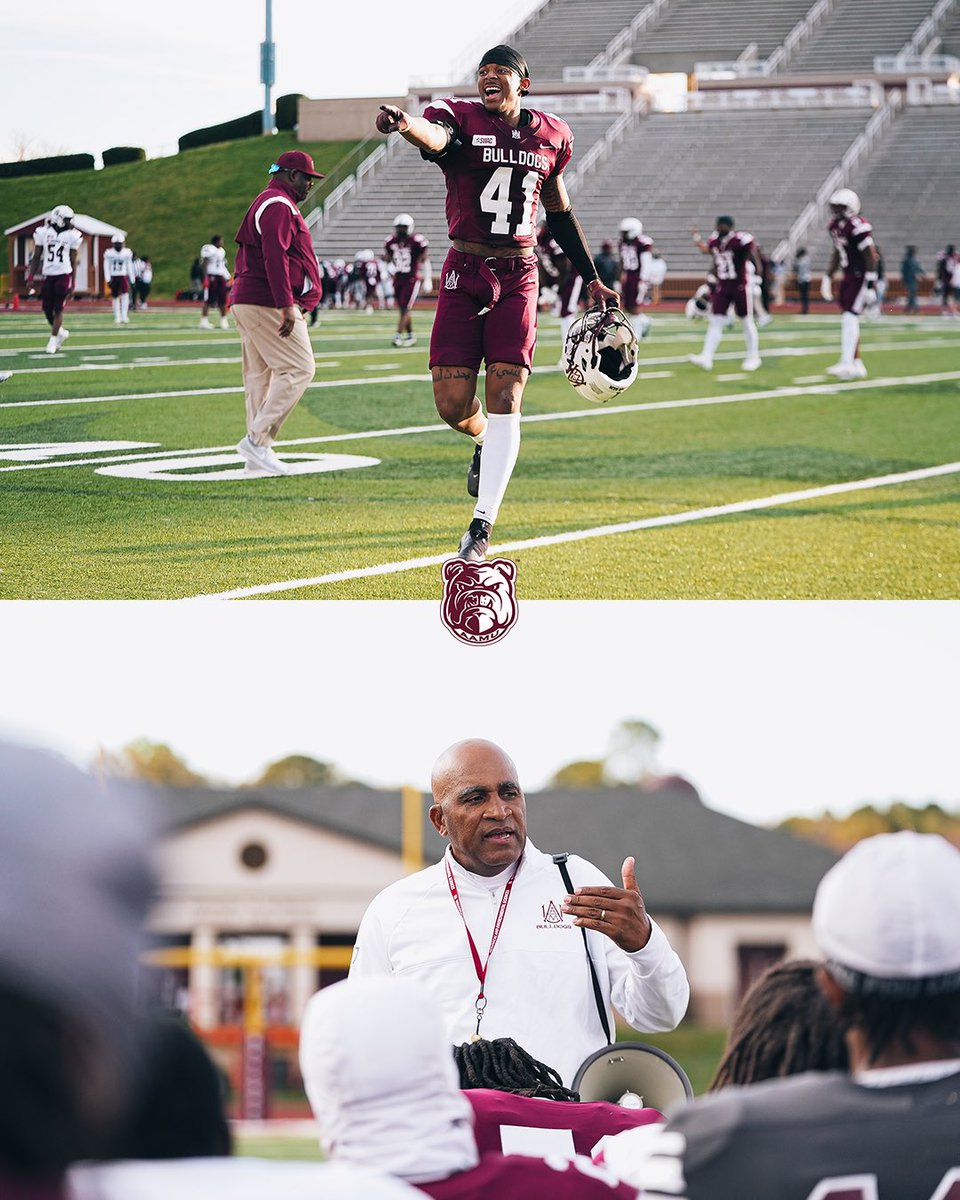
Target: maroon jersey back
(731,254)
(630,251)
(495,173)
(587,1123)
(516,1177)
(851,236)
(405,253)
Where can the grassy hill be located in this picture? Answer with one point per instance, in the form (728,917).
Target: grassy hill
(169,206)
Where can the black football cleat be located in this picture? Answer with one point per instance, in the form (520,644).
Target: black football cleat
(473,474)
(475,542)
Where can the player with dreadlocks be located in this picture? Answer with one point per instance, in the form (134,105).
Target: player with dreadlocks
(887,920)
(504,1065)
(509,1087)
(783,1026)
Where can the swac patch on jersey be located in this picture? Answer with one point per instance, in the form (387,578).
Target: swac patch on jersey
(484,139)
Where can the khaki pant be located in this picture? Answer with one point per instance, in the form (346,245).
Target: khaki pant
(276,370)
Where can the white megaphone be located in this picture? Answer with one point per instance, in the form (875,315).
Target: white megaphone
(633,1075)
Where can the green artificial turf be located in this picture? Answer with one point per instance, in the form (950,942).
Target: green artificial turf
(71,532)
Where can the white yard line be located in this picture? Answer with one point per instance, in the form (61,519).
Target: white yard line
(533,418)
(580,535)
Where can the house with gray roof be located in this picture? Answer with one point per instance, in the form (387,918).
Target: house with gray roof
(273,870)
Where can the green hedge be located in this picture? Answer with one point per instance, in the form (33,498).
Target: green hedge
(123,154)
(228,131)
(287,110)
(47,166)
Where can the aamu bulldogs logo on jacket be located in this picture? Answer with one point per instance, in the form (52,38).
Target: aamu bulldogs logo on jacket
(479,603)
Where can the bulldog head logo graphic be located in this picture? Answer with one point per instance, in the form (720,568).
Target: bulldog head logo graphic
(479,601)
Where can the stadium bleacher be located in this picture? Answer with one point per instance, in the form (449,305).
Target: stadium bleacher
(855,32)
(909,186)
(950,35)
(678,170)
(691,31)
(570,33)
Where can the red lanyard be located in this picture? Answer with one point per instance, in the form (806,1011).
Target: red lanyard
(481,968)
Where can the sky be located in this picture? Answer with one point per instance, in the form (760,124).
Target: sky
(81,77)
(770,709)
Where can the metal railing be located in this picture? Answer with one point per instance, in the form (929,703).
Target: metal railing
(916,64)
(862,145)
(622,73)
(927,30)
(352,171)
(623,44)
(602,149)
(800,33)
(868,94)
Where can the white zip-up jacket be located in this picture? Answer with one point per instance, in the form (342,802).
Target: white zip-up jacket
(538,987)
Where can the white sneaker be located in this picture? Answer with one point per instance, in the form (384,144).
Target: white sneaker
(205,324)
(857,369)
(840,369)
(252,472)
(52,345)
(410,339)
(752,363)
(5,375)
(125,321)
(398,339)
(62,337)
(764,321)
(224,323)
(701,360)
(260,456)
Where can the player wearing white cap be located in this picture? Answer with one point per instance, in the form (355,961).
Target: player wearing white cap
(887,919)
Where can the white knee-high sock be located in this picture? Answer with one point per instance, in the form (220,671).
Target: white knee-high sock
(641,323)
(500,449)
(849,336)
(124,305)
(565,323)
(751,337)
(116,308)
(714,334)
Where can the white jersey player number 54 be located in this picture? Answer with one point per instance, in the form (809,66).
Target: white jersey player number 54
(495,199)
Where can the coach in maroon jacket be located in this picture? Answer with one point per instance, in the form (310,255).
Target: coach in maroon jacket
(276,280)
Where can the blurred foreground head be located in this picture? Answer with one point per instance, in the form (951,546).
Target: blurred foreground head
(376,1062)
(75,882)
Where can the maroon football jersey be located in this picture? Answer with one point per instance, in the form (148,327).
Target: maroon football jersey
(516,1177)
(587,1123)
(731,255)
(405,253)
(494,173)
(851,236)
(630,251)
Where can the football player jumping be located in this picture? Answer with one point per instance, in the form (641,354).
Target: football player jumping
(855,253)
(499,160)
(736,264)
(405,254)
(55,259)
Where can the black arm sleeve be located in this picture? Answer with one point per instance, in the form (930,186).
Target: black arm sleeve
(568,235)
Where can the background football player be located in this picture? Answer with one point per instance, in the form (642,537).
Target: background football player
(405,254)
(55,258)
(855,254)
(118,268)
(499,161)
(636,260)
(736,265)
(213,256)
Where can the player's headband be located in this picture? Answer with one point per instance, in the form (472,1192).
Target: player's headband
(506,56)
